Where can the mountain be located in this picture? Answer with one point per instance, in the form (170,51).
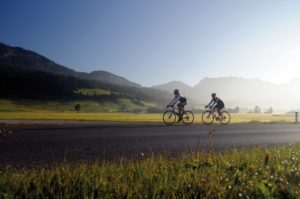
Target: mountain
(293,84)
(184,88)
(242,92)
(235,90)
(31,61)
(107,77)
(26,74)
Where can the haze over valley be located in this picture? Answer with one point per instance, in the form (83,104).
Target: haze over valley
(235,91)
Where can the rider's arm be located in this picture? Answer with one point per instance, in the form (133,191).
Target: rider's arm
(211,103)
(214,105)
(175,100)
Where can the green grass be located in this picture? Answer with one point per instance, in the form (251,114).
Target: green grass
(106,117)
(252,173)
(92,92)
(262,118)
(106,111)
(67,105)
(131,117)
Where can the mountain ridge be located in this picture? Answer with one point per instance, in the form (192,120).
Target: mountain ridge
(32,61)
(26,74)
(236,91)
(246,92)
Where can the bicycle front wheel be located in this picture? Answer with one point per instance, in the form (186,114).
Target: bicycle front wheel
(207,117)
(188,117)
(169,117)
(226,117)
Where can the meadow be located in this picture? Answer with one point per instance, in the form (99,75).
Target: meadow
(66,105)
(108,112)
(133,117)
(248,173)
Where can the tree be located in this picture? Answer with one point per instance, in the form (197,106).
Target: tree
(123,108)
(77,107)
(256,109)
(270,110)
(154,109)
(237,109)
(234,110)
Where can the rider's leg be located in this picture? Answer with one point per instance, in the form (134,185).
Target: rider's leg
(220,111)
(182,108)
(180,111)
(220,114)
(215,109)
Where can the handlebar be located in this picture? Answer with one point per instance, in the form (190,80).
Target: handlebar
(209,108)
(171,107)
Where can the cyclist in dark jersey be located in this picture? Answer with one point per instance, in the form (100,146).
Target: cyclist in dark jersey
(216,104)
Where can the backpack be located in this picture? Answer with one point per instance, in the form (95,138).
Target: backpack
(183,99)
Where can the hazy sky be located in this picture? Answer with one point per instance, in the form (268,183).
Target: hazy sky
(156,41)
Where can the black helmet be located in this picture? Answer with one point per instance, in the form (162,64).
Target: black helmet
(213,95)
(176,91)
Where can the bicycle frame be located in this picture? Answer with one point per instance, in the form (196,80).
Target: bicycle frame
(174,109)
(212,111)
(209,115)
(187,117)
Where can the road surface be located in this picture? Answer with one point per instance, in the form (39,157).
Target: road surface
(89,141)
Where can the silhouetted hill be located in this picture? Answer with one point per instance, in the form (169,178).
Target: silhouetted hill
(26,74)
(107,77)
(18,83)
(31,61)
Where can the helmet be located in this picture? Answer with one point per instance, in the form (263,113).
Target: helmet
(213,95)
(176,92)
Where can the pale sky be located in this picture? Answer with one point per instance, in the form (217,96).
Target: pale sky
(153,42)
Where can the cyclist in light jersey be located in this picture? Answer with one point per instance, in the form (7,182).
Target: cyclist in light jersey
(180,101)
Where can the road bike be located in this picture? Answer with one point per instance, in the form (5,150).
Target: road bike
(210,115)
(171,115)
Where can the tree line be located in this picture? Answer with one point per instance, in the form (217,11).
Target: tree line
(19,83)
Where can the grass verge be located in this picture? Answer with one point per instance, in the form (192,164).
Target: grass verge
(105,117)
(252,173)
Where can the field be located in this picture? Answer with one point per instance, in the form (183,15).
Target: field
(68,105)
(252,173)
(132,117)
(107,111)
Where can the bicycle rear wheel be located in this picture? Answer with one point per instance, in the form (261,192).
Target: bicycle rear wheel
(207,117)
(226,117)
(188,117)
(169,117)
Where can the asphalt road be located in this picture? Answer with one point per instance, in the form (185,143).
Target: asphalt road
(71,142)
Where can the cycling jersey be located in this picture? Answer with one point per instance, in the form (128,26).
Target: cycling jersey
(216,102)
(178,98)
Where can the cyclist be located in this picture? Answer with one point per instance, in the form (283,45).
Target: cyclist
(180,101)
(216,104)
